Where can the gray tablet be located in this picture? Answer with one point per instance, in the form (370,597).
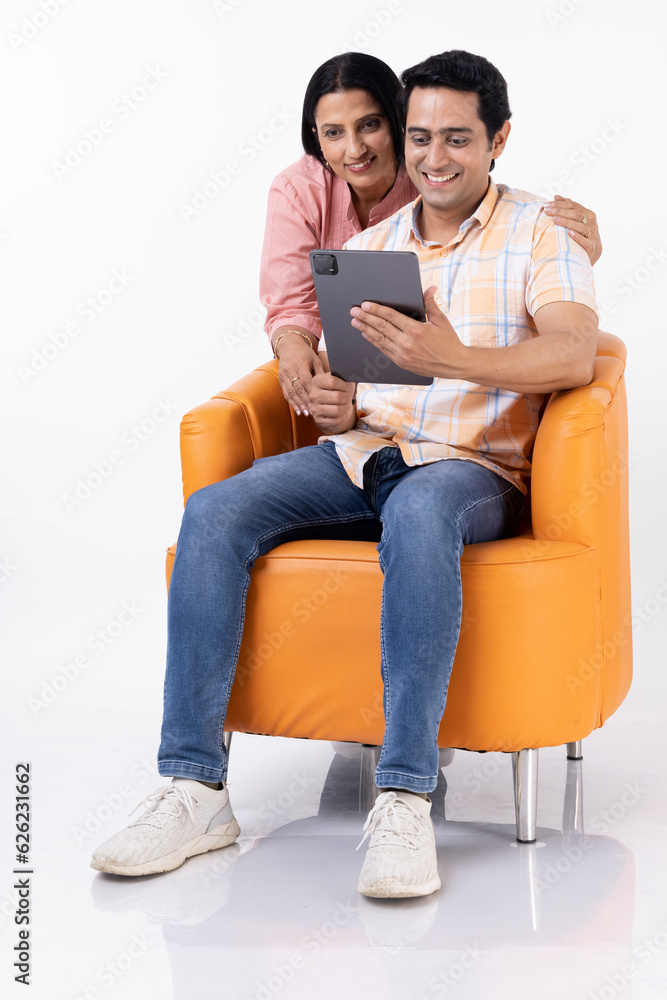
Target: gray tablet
(346,278)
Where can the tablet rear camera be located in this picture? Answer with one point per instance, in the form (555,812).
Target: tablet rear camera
(325,263)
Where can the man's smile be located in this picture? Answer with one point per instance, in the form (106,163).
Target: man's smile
(439,179)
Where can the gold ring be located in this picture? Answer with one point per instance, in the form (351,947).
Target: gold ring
(588,235)
(584,219)
(292,381)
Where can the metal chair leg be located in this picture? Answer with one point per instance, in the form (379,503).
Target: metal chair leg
(574,751)
(227,740)
(524,767)
(368,790)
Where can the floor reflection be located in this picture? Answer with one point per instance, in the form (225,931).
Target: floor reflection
(281,905)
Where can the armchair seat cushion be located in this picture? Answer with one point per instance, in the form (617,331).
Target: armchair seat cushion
(529,624)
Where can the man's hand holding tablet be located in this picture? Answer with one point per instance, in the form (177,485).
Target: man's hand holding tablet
(432,348)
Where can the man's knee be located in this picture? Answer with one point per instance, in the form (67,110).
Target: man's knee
(421,511)
(218,501)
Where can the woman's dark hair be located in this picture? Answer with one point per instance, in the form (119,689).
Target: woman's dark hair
(461,70)
(353,71)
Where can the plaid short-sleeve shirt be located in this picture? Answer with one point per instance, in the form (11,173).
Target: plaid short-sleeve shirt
(506,261)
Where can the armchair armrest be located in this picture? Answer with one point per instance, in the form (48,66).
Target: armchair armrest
(580,458)
(579,493)
(249,420)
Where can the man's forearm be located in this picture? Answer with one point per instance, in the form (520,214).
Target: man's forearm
(561,356)
(540,365)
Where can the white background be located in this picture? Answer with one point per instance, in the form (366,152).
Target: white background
(187,323)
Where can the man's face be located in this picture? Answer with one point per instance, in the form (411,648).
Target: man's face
(447,150)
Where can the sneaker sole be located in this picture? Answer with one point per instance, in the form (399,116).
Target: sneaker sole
(389,888)
(219,836)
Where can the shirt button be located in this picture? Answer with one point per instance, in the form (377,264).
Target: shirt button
(443,253)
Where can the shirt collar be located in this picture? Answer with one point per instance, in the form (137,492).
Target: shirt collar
(481,215)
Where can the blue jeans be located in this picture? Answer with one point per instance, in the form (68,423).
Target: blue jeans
(423,516)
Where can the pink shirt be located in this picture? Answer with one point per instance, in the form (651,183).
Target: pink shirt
(310,209)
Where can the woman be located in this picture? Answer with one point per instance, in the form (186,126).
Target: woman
(351,177)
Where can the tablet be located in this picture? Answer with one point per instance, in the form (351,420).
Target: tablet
(346,278)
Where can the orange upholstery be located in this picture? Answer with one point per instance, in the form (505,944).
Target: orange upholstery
(545,653)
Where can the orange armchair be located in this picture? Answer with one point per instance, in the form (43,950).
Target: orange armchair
(545,652)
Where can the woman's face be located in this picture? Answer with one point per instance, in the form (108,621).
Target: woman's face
(356,141)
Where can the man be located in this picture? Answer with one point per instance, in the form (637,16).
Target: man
(435,467)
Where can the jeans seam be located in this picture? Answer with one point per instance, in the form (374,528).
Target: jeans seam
(404,774)
(384,665)
(186,763)
(232,673)
(487,499)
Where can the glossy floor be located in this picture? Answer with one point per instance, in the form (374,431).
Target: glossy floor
(582,914)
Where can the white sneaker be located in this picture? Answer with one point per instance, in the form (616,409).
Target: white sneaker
(181,819)
(401,859)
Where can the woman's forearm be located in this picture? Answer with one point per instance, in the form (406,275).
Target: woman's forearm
(292,332)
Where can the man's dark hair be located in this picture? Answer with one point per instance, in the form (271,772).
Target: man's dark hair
(353,71)
(464,71)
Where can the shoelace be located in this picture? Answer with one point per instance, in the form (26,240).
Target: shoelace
(394,812)
(168,795)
